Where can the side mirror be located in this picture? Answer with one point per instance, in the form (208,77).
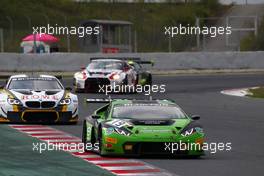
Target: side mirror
(96,116)
(68,88)
(195,117)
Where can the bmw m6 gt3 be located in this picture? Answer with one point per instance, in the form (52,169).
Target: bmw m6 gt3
(37,99)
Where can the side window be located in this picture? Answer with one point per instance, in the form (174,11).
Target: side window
(103,111)
(137,66)
(108,111)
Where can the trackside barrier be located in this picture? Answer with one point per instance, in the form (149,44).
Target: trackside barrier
(163,61)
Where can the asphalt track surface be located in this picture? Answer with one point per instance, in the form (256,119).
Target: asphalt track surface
(225,119)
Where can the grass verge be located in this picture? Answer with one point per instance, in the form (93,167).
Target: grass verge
(256,92)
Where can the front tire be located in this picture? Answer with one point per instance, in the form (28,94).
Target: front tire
(84,133)
(125,82)
(149,82)
(100,141)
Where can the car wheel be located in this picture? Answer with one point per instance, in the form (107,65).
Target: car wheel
(84,134)
(149,82)
(125,82)
(100,141)
(137,78)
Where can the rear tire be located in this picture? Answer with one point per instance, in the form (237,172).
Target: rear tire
(149,82)
(125,82)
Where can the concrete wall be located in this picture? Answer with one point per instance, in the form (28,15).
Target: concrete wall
(163,61)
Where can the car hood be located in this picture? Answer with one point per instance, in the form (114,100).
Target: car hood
(104,71)
(177,124)
(101,72)
(96,73)
(33,95)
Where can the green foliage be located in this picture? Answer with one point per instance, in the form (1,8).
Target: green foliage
(252,42)
(149,19)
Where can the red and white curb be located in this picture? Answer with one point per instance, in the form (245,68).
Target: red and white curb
(242,92)
(117,166)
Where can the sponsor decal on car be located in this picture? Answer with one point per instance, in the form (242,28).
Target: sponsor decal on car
(38,97)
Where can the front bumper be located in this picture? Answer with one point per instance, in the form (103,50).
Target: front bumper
(39,116)
(90,83)
(94,83)
(134,146)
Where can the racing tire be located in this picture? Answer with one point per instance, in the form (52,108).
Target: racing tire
(149,82)
(84,136)
(100,141)
(84,133)
(125,82)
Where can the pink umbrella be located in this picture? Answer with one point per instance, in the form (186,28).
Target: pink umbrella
(42,38)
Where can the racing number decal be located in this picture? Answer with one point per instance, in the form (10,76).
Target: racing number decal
(120,123)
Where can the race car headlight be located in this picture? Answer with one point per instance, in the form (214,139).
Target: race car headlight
(115,76)
(13,101)
(65,101)
(190,131)
(123,132)
(80,75)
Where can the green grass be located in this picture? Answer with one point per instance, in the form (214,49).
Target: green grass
(149,19)
(257,92)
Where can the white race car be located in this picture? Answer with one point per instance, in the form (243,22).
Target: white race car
(105,72)
(37,99)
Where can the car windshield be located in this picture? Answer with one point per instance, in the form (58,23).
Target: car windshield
(148,112)
(107,65)
(34,84)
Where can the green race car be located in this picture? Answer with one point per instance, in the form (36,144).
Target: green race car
(143,127)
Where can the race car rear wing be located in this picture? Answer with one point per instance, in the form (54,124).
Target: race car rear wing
(107,100)
(98,100)
(129,59)
(118,58)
